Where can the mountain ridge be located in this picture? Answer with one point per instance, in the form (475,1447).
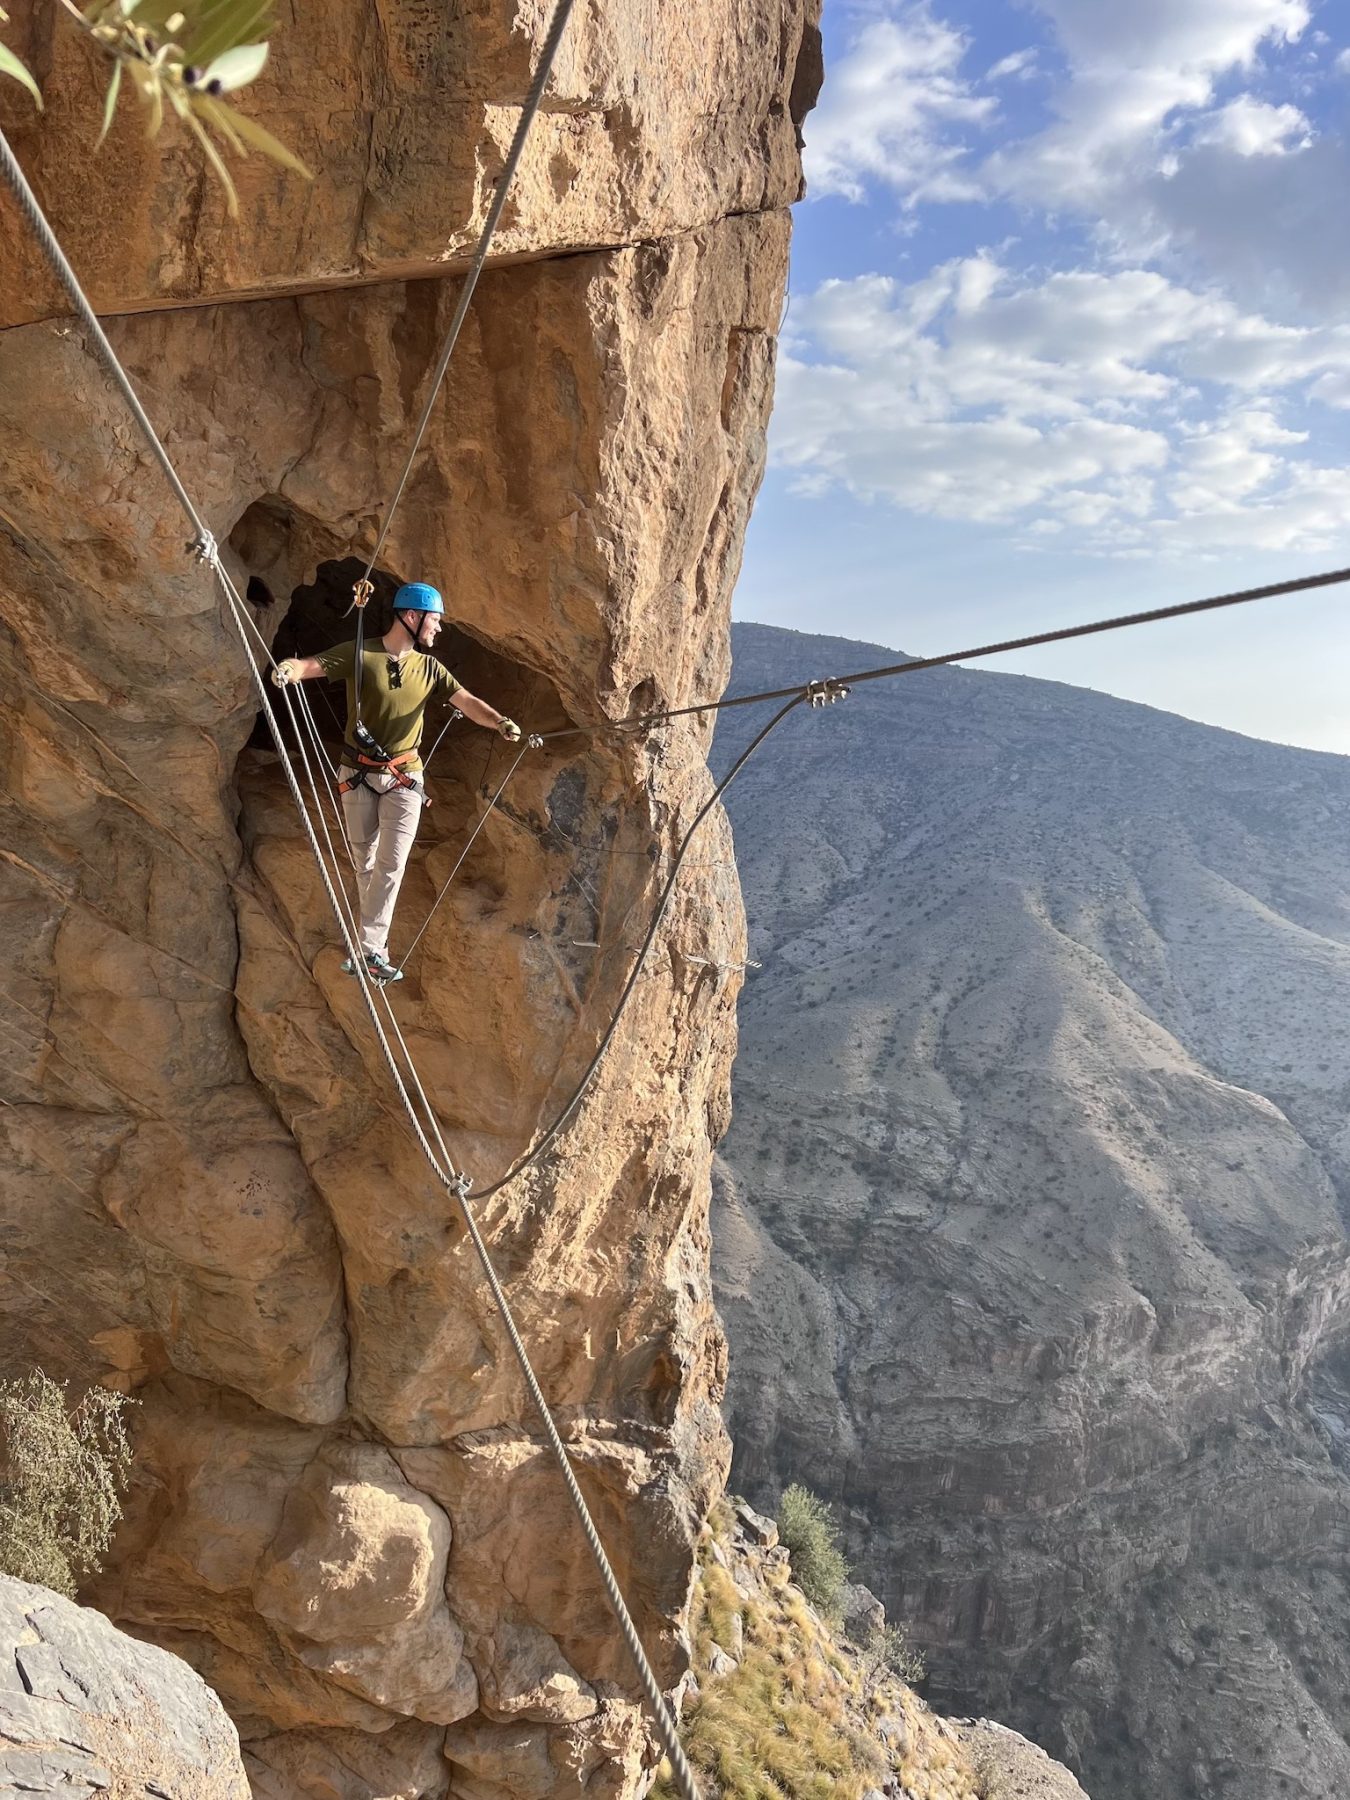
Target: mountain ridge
(1033,1206)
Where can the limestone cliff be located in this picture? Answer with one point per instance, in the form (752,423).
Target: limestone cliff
(1034,1251)
(343,1516)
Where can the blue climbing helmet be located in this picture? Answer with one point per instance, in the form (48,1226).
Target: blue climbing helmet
(418,596)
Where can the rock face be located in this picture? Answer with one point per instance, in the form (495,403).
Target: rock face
(1010,1768)
(85,1709)
(1032,1246)
(656,122)
(343,1515)
(780,1693)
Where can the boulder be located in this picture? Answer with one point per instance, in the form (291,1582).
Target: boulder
(355,1582)
(84,1709)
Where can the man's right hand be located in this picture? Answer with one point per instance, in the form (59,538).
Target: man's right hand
(286,671)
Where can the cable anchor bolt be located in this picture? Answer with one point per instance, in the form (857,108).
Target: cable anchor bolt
(361,593)
(827,693)
(203,547)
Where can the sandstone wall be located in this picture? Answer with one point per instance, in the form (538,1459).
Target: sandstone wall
(342,1515)
(657,120)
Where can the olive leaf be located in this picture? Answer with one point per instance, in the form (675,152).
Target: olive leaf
(187,53)
(110,100)
(236,68)
(236,125)
(10,65)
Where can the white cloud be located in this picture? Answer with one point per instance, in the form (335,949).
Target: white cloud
(1066,404)
(1131,68)
(1250,127)
(1198,36)
(887,110)
(1020,66)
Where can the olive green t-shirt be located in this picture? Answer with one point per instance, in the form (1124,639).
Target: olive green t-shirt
(391,714)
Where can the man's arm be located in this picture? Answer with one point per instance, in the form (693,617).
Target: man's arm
(297,668)
(483,714)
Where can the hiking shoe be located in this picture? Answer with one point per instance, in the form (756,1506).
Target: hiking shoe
(379,968)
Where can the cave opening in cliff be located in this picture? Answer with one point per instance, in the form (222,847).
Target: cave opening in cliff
(299,587)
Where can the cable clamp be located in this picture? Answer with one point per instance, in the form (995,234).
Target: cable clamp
(461,1185)
(826,693)
(203,547)
(534,741)
(361,593)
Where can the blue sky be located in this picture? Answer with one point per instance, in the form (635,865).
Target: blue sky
(1069,335)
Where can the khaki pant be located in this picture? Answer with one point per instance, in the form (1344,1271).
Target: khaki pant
(382,820)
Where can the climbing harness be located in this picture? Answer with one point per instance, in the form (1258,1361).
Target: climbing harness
(392,766)
(373,760)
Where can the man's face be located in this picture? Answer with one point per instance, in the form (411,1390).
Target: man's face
(426,629)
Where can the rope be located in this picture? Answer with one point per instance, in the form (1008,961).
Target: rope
(459,1187)
(537,1150)
(203,544)
(455,715)
(459,864)
(837,682)
(557,26)
(206,550)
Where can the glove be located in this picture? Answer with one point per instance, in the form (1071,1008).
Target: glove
(509,730)
(285,672)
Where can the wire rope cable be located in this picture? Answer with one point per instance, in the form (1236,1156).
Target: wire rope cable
(533,99)
(1063,634)
(550,1135)
(557,25)
(460,860)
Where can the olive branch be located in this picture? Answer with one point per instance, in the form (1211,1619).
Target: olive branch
(182,56)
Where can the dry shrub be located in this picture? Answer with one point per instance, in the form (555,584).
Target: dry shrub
(62,1475)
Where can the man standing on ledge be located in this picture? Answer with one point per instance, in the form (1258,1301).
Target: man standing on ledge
(381,775)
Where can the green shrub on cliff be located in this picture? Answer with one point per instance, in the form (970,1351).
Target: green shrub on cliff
(807,1526)
(63,1470)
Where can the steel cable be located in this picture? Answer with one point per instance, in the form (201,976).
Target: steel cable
(557,25)
(205,547)
(1155,616)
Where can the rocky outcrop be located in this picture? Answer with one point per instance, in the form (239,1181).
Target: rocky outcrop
(343,1513)
(1032,1247)
(656,122)
(1010,1768)
(779,1694)
(84,1709)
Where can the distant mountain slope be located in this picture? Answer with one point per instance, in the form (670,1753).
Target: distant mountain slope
(1031,1240)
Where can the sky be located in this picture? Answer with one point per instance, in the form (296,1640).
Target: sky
(1068,335)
